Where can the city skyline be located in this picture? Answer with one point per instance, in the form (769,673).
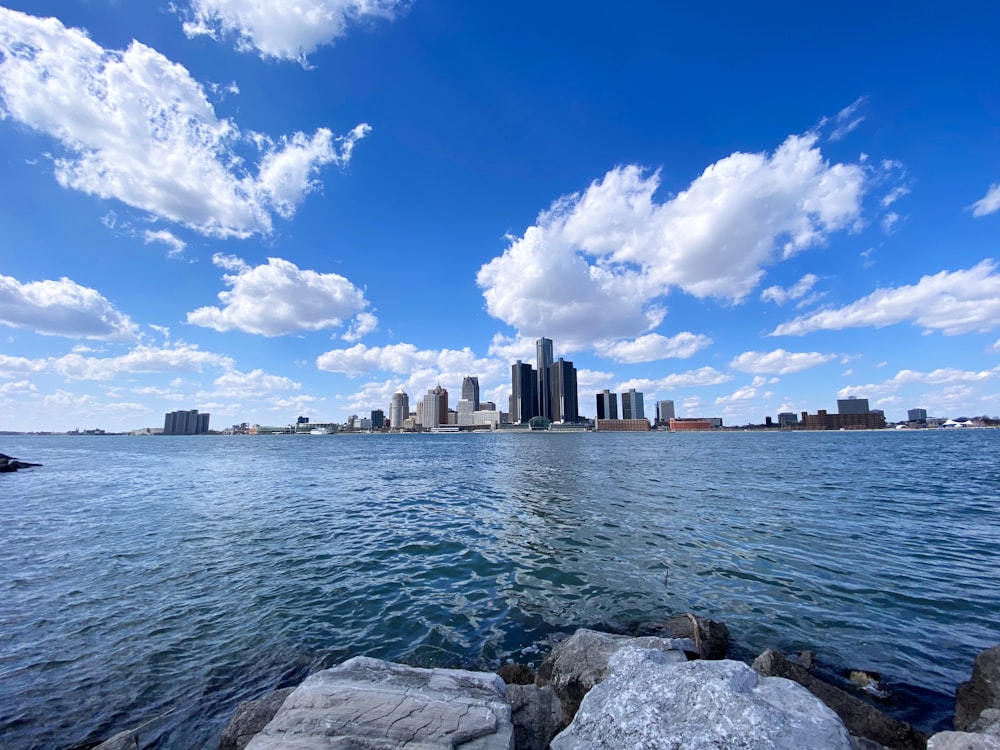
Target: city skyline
(739,210)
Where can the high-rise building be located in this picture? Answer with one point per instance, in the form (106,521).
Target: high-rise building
(664,411)
(852,405)
(378,419)
(400,409)
(429,411)
(607,405)
(543,365)
(524,393)
(632,405)
(470,391)
(916,415)
(185,423)
(565,400)
(464,411)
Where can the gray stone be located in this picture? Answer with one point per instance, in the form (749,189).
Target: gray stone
(980,692)
(581,661)
(987,723)
(651,701)
(250,717)
(862,719)
(863,743)
(516,674)
(122,741)
(962,741)
(537,715)
(369,704)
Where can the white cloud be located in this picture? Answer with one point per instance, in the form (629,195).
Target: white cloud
(62,308)
(848,119)
(172,241)
(595,264)
(889,222)
(779,362)
(364,323)
(989,203)
(746,393)
(138,128)
(798,290)
(279,298)
(702,377)
(894,195)
(403,359)
(653,346)
(947,377)
(17,388)
(283,30)
(953,302)
(142,359)
(257,383)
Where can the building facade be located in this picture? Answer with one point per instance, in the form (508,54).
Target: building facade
(621,425)
(664,411)
(470,391)
(632,405)
(852,405)
(543,369)
(565,400)
(607,405)
(524,393)
(399,411)
(378,419)
(872,420)
(185,423)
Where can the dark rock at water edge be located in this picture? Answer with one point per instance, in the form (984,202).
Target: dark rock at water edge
(981,692)
(516,674)
(9,463)
(250,718)
(710,637)
(537,715)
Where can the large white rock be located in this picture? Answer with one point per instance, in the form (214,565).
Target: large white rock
(650,701)
(376,705)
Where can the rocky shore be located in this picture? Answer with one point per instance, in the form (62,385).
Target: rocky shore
(671,687)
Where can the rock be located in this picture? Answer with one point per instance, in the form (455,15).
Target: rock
(863,743)
(9,463)
(987,723)
(581,661)
(713,637)
(250,718)
(126,740)
(982,691)
(962,741)
(376,705)
(516,674)
(862,719)
(537,715)
(652,701)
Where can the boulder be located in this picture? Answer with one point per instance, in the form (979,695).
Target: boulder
(861,719)
(536,713)
(9,463)
(250,718)
(711,638)
(377,705)
(126,740)
(963,741)
(982,691)
(574,666)
(651,701)
(516,674)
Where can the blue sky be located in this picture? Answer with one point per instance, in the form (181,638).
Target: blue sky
(747,209)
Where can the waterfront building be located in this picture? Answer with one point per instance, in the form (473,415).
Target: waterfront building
(872,420)
(470,391)
(464,410)
(565,400)
(378,419)
(632,405)
(852,405)
(399,412)
(607,405)
(543,369)
(188,422)
(621,425)
(690,425)
(524,393)
(664,411)
(916,415)
(489,417)
(788,420)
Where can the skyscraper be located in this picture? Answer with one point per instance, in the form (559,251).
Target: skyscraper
(565,404)
(632,405)
(607,405)
(543,363)
(665,411)
(524,393)
(185,423)
(470,391)
(399,410)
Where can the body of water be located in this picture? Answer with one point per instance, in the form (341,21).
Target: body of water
(139,575)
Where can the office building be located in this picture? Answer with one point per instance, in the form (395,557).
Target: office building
(524,393)
(185,423)
(565,400)
(871,420)
(788,420)
(433,410)
(632,405)
(378,419)
(852,405)
(664,412)
(543,365)
(916,415)
(607,405)
(399,411)
(621,425)
(691,425)
(464,410)
(470,391)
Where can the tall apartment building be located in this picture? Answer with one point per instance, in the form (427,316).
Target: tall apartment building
(607,405)
(524,393)
(543,368)
(664,411)
(632,405)
(399,411)
(565,399)
(185,423)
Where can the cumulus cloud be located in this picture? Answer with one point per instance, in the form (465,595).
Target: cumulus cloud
(595,264)
(283,30)
(653,346)
(989,203)
(279,298)
(175,244)
(953,302)
(401,358)
(62,308)
(136,127)
(701,377)
(257,383)
(946,378)
(180,357)
(779,362)
(798,290)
